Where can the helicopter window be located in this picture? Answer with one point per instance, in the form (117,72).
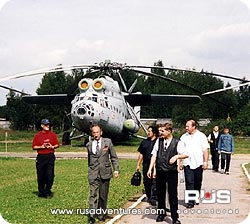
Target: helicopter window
(94,97)
(106,101)
(102,103)
(87,97)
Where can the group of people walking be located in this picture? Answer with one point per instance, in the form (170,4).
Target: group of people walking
(221,148)
(162,157)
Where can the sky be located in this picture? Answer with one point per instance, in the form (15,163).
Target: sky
(211,35)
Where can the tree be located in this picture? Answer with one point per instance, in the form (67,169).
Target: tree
(241,125)
(19,113)
(243,94)
(56,83)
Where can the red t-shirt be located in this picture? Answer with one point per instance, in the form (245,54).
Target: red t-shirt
(45,137)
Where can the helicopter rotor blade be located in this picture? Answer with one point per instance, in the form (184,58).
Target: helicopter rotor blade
(188,70)
(150,74)
(14,90)
(44,70)
(224,89)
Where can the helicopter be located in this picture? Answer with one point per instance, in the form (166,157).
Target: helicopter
(103,101)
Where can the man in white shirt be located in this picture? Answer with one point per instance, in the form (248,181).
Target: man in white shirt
(196,146)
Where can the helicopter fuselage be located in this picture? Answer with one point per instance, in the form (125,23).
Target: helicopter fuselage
(101,101)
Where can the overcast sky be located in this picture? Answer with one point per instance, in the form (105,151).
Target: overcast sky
(213,35)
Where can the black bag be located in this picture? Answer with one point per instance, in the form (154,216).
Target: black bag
(136,179)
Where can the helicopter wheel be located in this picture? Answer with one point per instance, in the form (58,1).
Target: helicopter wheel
(66,138)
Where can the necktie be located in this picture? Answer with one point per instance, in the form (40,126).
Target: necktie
(97,148)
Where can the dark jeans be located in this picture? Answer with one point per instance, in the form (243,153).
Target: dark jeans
(215,159)
(149,183)
(45,172)
(171,178)
(193,179)
(225,157)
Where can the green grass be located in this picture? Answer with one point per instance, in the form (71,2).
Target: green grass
(18,190)
(248,167)
(21,142)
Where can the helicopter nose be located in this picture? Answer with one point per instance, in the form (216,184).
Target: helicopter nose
(81,111)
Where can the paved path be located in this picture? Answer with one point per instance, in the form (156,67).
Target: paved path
(232,213)
(63,155)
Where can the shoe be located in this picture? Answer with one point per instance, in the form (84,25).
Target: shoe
(176,221)
(197,203)
(41,195)
(48,196)
(91,220)
(152,202)
(189,206)
(227,172)
(160,218)
(221,171)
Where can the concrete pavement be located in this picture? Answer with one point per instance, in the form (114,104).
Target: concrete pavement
(234,212)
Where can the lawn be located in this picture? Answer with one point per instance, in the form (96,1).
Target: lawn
(18,191)
(21,142)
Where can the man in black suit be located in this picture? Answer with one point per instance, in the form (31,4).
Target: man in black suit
(213,139)
(101,154)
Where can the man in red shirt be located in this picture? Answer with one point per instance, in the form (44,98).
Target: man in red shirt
(45,143)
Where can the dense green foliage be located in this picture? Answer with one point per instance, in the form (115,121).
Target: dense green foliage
(18,196)
(217,106)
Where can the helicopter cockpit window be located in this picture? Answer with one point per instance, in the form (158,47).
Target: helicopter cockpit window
(94,97)
(106,102)
(87,97)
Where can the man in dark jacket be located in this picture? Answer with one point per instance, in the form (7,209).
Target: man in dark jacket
(164,157)
(213,139)
(101,154)
(144,157)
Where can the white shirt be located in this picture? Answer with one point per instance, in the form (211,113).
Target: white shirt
(194,145)
(94,144)
(215,135)
(180,146)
